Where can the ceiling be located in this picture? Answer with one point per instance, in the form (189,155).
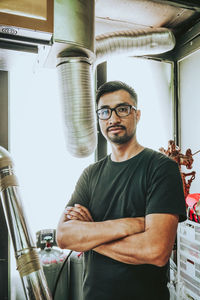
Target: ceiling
(111,16)
(115,15)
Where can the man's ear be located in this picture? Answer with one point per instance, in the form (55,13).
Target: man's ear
(138,115)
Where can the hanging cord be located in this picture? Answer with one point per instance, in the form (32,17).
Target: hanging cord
(196,152)
(59,274)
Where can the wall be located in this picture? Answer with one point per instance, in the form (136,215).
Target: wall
(190,112)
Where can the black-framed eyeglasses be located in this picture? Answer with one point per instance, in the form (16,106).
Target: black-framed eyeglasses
(121,111)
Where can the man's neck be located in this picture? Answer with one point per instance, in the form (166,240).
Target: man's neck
(125,151)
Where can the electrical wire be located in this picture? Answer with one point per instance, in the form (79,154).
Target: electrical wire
(59,274)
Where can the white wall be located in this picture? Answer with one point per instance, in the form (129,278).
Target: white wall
(190,112)
(152,82)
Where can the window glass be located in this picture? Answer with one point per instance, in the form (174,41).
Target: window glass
(152,83)
(47,173)
(190,108)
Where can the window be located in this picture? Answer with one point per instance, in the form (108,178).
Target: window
(47,173)
(152,83)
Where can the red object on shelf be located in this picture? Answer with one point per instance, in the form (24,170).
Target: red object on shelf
(191,202)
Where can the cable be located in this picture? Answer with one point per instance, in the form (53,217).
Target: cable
(60,271)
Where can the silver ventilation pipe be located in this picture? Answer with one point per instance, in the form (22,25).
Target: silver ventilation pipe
(134,43)
(74,29)
(77,94)
(27,259)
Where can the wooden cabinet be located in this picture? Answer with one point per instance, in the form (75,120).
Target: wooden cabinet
(27,14)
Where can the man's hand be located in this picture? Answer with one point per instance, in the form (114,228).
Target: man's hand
(77,231)
(81,213)
(78,212)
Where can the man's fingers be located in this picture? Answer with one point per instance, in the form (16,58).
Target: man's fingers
(71,213)
(78,212)
(85,211)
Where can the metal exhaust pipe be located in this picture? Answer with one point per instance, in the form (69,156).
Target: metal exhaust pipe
(77,94)
(74,32)
(133,43)
(27,259)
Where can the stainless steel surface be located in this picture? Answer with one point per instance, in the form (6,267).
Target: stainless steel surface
(14,32)
(74,23)
(15,218)
(77,96)
(135,43)
(10,59)
(33,278)
(22,56)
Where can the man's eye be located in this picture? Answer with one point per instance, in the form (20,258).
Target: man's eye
(122,109)
(104,112)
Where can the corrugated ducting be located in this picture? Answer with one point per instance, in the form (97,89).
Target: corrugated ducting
(134,43)
(76,84)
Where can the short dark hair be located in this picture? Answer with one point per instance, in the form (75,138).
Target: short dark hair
(112,86)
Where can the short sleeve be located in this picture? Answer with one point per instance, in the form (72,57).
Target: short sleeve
(81,191)
(165,189)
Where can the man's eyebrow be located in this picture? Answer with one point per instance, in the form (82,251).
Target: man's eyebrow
(104,106)
(120,104)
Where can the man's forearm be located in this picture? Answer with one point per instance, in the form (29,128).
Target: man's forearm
(83,236)
(153,246)
(123,249)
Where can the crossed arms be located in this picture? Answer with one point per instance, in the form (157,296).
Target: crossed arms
(146,240)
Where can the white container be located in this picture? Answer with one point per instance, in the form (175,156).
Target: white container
(188,259)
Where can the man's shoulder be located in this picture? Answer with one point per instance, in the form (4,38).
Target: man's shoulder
(158,156)
(98,164)
(158,160)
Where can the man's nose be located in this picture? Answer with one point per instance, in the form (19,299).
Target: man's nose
(114,118)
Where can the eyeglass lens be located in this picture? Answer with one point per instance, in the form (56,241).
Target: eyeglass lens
(121,111)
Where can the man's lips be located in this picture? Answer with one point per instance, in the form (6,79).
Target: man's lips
(115,128)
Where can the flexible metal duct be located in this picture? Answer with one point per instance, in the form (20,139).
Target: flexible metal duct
(134,43)
(74,35)
(27,259)
(77,94)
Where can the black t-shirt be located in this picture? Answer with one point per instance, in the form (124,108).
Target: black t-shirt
(147,183)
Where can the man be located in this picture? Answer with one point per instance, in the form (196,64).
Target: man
(125,209)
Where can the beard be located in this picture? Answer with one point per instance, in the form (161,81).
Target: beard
(117,139)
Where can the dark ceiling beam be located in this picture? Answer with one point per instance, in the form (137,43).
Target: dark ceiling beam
(187,43)
(4,249)
(189,35)
(187,4)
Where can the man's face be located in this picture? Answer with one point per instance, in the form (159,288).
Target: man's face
(118,130)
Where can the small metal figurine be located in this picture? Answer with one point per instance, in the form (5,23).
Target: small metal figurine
(174,152)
